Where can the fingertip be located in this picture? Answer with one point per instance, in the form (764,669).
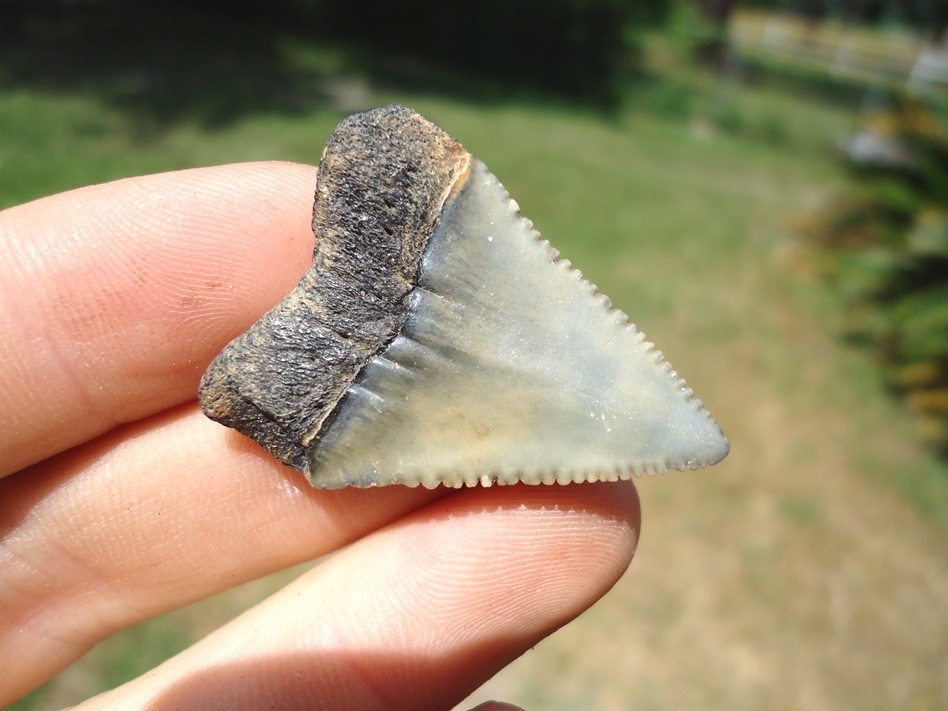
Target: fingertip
(117,296)
(497,706)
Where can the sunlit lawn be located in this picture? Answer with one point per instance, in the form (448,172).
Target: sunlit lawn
(684,221)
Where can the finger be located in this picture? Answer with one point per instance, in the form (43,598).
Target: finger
(416,615)
(146,519)
(116,297)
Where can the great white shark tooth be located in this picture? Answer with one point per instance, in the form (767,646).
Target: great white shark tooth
(438,339)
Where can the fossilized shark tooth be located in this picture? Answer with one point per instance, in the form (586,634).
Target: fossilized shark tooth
(438,339)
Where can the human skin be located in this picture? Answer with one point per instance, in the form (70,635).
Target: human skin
(120,501)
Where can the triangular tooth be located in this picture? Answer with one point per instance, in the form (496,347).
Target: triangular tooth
(438,339)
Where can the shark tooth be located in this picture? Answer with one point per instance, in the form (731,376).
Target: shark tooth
(437,339)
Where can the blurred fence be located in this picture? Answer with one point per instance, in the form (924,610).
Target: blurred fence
(883,245)
(899,59)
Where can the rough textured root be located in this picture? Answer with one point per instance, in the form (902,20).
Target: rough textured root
(382,183)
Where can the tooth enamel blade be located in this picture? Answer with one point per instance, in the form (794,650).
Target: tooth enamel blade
(510,367)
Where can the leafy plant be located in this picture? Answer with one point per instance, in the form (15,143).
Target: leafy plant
(888,254)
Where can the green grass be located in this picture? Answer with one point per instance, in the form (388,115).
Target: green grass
(679,209)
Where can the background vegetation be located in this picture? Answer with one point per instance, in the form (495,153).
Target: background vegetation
(885,250)
(808,570)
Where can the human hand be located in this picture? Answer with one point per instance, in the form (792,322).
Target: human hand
(121,501)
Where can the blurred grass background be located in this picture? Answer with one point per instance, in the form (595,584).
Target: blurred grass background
(807,571)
